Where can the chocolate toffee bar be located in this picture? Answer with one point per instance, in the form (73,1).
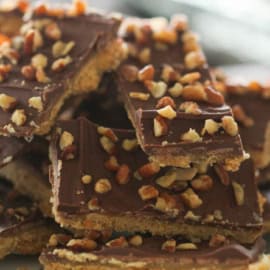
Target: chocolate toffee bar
(151,253)
(29,173)
(57,54)
(169,96)
(251,108)
(23,230)
(103,180)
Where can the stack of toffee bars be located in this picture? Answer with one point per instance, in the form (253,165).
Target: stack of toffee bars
(117,130)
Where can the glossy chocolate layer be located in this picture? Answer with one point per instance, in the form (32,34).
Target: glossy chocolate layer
(150,252)
(257,108)
(97,31)
(142,113)
(72,195)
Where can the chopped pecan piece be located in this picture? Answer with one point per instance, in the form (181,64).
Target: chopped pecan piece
(66,140)
(122,175)
(86,179)
(147,73)
(229,125)
(191,136)
(7,102)
(119,242)
(167,112)
(202,183)
(82,244)
(160,126)
(136,240)
(148,192)
(169,246)
(148,170)
(239,193)
(103,185)
(18,117)
(191,199)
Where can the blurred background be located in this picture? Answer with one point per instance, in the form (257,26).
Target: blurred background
(232,32)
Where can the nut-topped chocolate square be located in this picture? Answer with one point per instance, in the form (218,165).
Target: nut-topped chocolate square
(51,60)
(168,92)
(103,180)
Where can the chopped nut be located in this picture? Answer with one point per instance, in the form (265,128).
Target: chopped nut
(194,92)
(238,193)
(147,73)
(82,244)
(202,183)
(160,126)
(53,241)
(167,204)
(107,144)
(39,61)
(112,164)
(148,170)
(191,199)
(103,185)
(165,101)
(229,125)
(145,55)
(191,216)
(148,192)
(190,78)
(86,179)
(7,102)
(108,132)
(218,215)
(66,140)
(118,242)
(41,76)
(190,107)
(61,48)
(169,246)
(169,74)
(32,41)
(93,205)
(28,72)
(210,126)
(166,36)
(209,218)
(167,180)
(222,174)
(129,144)
(59,64)
(185,174)
(217,240)
(157,89)
(191,136)
(53,31)
(176,90)
(136,240)
(139,96)
(214,97)
(186,246)
(179,22)
(79,7)
(194,59)
(240,116)
(69,152)
(190,42)
(122,175)
(130,72)
(18,117)
(36,103)
(167,112)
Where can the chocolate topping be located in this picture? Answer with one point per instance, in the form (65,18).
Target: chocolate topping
(50,85)
(143,87)
(150,252)
(253,136)
(88,157)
